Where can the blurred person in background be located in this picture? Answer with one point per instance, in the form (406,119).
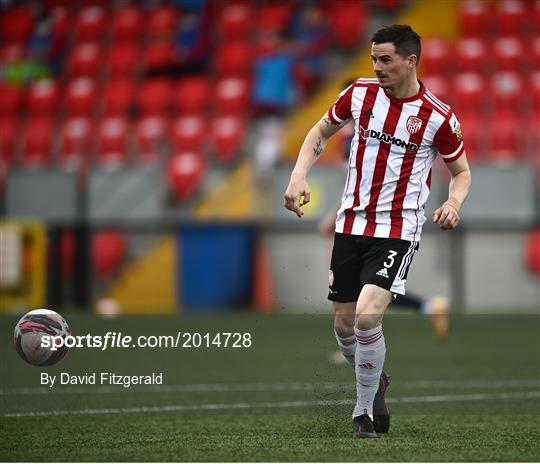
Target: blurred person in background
(401,128)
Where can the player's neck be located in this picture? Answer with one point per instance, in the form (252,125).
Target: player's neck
(407,89)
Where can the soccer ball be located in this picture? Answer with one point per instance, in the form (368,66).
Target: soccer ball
(29,331)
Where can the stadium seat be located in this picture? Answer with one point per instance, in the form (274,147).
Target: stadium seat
(505,136)
(235,21)
(8,137)
(509,54)
(533,92)
(531,252)
(16,25)
(158,55)
(474,134)
(233,59)
(36,142)
(154,97)
(435,56)
(108,252)
(347,23)
(161,22)
(122,60)
(11,99)
(185,172)
(80,97)
(150,134)
(193,95)
(507,91)
(535,45)
(76,142)
(474,18)
(126,24)
(10,52)
(42,97)
(118,96)
(469,92)
(231,95)
(84,60)
(470,55)
(273,17)
(112,142)
(188,133)
(535,17)
(439,87)
(388,5)
(90,24)
(227,136)
(510,17)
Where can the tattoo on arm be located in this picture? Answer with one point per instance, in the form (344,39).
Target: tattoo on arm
(327,121)
(318,148)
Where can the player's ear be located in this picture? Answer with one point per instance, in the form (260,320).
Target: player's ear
(412,61)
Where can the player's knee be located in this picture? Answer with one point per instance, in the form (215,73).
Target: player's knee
(343,325)
(367,320)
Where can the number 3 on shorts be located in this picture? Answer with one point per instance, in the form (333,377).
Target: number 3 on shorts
(390,263)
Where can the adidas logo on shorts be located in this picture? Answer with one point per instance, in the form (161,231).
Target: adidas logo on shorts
(383,273)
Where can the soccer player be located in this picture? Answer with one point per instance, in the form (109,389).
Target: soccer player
(400,128)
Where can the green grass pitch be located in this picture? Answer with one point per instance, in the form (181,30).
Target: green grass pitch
(475,397)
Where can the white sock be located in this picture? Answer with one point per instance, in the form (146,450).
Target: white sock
(347,346)
(369,360)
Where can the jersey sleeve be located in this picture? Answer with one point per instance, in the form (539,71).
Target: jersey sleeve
(449,140)
(340,111)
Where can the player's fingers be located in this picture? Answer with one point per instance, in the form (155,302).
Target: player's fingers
(436,214)
(443,216)
(307,197)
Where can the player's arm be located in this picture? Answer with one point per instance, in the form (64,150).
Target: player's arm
(297,193)
(447,216)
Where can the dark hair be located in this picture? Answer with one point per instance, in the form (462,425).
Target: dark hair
(405,39)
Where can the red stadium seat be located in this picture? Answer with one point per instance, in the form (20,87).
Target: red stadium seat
(112,141)
(36,142)
(535,17)
(188,133)
(510,17)
(154,97)
(84,60)
(158,55)
(531,252)
(474,18)
(108,252)
(126,24)
(474,135)
(470,55)
(11,52)
(388,5)
(118,96)
(11,99)
(505,134)
(233,59)
(507,91)
(273,17)
(535,45)
(16,25)
(469,92)
(193,95)
(435,57)
(150,134)
(347,23)
(232,95)
(8,137)
(227,136)
(185,172)
(162,22)
(80,97)
(122,60)
(235,21)
(90,24)
(534,92)
(439,86)
(42,98)
(76,142)
(509,54)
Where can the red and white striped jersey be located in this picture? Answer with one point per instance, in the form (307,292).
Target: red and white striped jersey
(394,145)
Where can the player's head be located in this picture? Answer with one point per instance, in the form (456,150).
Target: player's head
(395,51)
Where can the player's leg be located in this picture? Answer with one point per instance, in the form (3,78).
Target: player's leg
(344,314)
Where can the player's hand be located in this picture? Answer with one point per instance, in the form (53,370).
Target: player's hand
(447,216)
(297,195)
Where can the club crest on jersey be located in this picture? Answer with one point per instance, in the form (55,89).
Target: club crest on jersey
(413,124)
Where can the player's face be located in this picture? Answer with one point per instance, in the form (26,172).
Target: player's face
(390,68)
